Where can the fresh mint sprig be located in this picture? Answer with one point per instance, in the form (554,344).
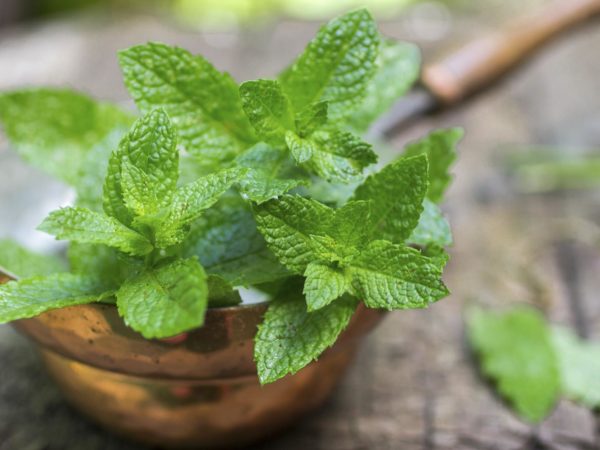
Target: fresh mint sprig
(145,213)
(336,66)
(210,190)
(203,103)
(341,250)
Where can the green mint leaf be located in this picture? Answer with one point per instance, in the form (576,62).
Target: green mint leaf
(150,180)
(396,194)
(290,337)
(288,224)
(300,230)
(166,301)
(90,184)
(100,261)
(334,194)
(398,66)
(203,103)
(270,173)
(311,118)
(221,293)
(301,149)
(139,193)
(24,263)
(515,350)
(85,226)
(229,245)
(190,201)
(336,66)
(268,109)
(389,276)
(55,129)
(350,225)
(440,148)
(30,297)
(437,255)
(433,228)
(113,203)
(344,234)
(323,285)
(326,249)
(332,154)
(579,364)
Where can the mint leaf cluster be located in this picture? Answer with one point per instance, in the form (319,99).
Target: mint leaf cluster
(145,213)
(217,186)
(360,248)
(533,363)
(307,108)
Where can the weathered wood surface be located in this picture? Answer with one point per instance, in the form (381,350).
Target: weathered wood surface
(414,385)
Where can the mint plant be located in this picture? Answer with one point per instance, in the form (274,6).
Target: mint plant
(216,186)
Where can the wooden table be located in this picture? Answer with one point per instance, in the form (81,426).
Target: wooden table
(414,385)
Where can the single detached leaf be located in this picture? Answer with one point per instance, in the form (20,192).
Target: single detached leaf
(32,296)
(332,154)
(323,285)
(191,200)
(24,263)
(433,228)
(268,109)
(228,244)
(270,173)
(579,364)
(396,194)
(290,337)
(398,65)
(54,129)
(311,118)
(440,148)
(336,66)
(203,103)
(143,172)
(166,301)
(515,350)
(288,224)
(390,276)
(85,226)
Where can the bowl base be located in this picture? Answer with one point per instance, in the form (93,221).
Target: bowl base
(175,413)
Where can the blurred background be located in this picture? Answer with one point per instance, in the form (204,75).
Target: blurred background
(74,43)
(523,207)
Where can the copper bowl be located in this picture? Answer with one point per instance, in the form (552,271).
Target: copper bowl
(200,391)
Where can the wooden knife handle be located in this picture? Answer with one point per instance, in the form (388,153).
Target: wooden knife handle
(479,63)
